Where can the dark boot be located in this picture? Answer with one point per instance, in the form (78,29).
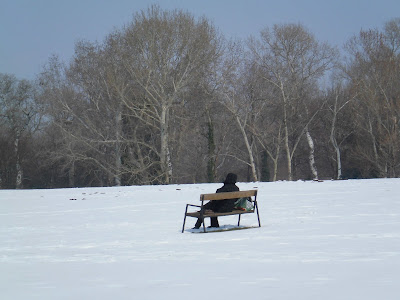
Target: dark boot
(214,222)
(198,224)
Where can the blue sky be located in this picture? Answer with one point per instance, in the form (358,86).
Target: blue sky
(33,30)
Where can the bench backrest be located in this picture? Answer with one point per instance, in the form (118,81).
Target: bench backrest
(229,195)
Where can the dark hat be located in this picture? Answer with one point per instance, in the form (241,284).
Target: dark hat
(231,178)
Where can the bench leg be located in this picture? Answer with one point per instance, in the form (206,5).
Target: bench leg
(239,220)
(184,220)
(202,209)
(258,215)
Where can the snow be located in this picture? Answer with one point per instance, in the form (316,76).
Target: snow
(318,240)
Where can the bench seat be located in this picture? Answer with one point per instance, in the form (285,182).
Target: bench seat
(218,214)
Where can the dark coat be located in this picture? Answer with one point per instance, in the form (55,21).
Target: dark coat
(225,205)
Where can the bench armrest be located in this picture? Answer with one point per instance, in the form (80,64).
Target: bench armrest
(193,205)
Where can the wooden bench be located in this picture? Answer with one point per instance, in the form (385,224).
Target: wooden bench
(202,214)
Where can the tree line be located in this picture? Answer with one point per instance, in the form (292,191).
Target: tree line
(168,99)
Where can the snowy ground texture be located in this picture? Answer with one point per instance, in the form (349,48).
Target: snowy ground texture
(318,240)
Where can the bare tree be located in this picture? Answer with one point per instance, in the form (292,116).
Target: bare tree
(118,104)
(338,99)
(235,98)
(95,72)
(86,103)
(165,54)
(59,98)
(374,72)
(266,126)
(292,61)
(18,117)
(85,118)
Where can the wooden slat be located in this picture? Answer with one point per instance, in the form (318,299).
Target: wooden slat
(214,214)
(229,195)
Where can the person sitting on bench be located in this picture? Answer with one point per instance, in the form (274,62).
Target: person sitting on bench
(224,205)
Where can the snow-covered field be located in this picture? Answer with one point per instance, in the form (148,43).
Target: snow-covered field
(318,240)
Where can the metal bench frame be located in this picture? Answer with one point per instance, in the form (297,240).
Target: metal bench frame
(202,213)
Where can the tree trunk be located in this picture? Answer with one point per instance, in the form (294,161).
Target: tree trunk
(313,167)
(211,151)
(165,157)
(337,149)
(265,175)
(249,149)
(71,175)
(118,133)
(287,148)
(275,170)
(338,159)
(18,167)
(374,147)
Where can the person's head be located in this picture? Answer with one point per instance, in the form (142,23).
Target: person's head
(231,178)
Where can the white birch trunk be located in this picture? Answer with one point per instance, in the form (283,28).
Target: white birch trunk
(311,158)
(337,150)
(275,170)
(336,109)
(276,159)
(249,149)
(18,167)
(165,157)
(287,148)
(338,158)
